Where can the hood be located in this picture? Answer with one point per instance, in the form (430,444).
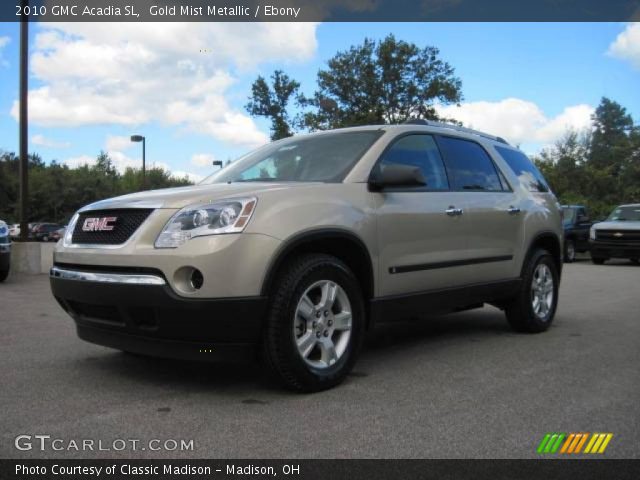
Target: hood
(626,225)
(182,196)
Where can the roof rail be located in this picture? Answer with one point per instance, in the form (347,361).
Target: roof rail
(451,126)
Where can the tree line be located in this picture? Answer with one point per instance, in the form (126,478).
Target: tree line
(57,191)
(598,167)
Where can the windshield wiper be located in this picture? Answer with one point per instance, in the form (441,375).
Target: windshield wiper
(244,180)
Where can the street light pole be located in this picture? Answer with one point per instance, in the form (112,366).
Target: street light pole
(140,138)
(24,126)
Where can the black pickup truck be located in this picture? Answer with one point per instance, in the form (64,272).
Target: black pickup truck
(576,223)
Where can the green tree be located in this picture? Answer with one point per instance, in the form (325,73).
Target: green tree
(57,191)
(383,82)
(272,102)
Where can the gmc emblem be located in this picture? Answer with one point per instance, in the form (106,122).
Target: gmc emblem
(103,224)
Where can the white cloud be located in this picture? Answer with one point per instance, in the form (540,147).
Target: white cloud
(626,46)
(4,41)
(77,162)
(176,74)
(518,121)
(118,143)
(193,177)
(43,141)
(202,160)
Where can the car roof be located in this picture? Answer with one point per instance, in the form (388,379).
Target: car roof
(427,126)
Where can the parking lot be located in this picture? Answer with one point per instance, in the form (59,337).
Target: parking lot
(457,386)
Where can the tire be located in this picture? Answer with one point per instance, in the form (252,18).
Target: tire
(292,318)
(569,251)
(635,261)
(521,312)
(3,275)
(597,260)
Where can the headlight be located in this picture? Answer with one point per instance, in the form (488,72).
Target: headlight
(592,233)
(68,233)
(225,216)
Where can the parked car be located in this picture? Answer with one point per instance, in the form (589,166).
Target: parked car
(298,248)
(618,236)
(5,251)
(58,234)
(45,232)
(14,230)
(576,224)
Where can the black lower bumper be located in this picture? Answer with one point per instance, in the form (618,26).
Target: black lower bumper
(153,320)
(614,250)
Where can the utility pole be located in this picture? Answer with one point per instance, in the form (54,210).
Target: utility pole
(24,125)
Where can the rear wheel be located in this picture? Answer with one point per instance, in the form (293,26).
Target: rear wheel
(533,308)
(569,251)
(315,324)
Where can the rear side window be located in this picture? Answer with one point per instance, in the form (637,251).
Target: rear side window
(524,169)
(469,165)
(419,151)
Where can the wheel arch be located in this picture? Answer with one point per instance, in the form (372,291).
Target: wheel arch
(343,244)
(549,241)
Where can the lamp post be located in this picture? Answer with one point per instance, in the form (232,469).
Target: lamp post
(140,138)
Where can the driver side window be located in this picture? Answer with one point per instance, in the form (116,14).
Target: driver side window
(419,150)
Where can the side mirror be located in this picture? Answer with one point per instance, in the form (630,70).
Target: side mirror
(396,176)
(217,163)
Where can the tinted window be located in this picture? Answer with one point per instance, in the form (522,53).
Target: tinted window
(525,170)
(419,151)
(469,166)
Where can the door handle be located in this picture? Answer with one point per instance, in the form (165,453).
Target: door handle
(453,211)
(513,210)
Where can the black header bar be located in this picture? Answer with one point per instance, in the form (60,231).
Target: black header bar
(321,10)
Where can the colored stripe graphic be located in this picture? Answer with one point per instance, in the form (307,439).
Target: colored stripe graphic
(598,443)
(544,442)
(572,443)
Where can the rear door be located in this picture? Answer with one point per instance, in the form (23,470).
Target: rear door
(494,211)
(422,231)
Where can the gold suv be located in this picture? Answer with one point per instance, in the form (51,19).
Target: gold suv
(293,251)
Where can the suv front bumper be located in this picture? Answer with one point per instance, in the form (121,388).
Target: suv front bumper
(140,313)
(614,250)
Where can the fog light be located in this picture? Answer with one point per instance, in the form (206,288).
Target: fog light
(197,279)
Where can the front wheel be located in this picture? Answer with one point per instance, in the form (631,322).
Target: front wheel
(533,308)
(569,251)
(315,324)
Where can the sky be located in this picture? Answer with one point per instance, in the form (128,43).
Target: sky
(184,86)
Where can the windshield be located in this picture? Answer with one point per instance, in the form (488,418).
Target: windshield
(625,214)
(313,158)
(569,215)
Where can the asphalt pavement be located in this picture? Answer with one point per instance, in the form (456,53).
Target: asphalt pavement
(457,386)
